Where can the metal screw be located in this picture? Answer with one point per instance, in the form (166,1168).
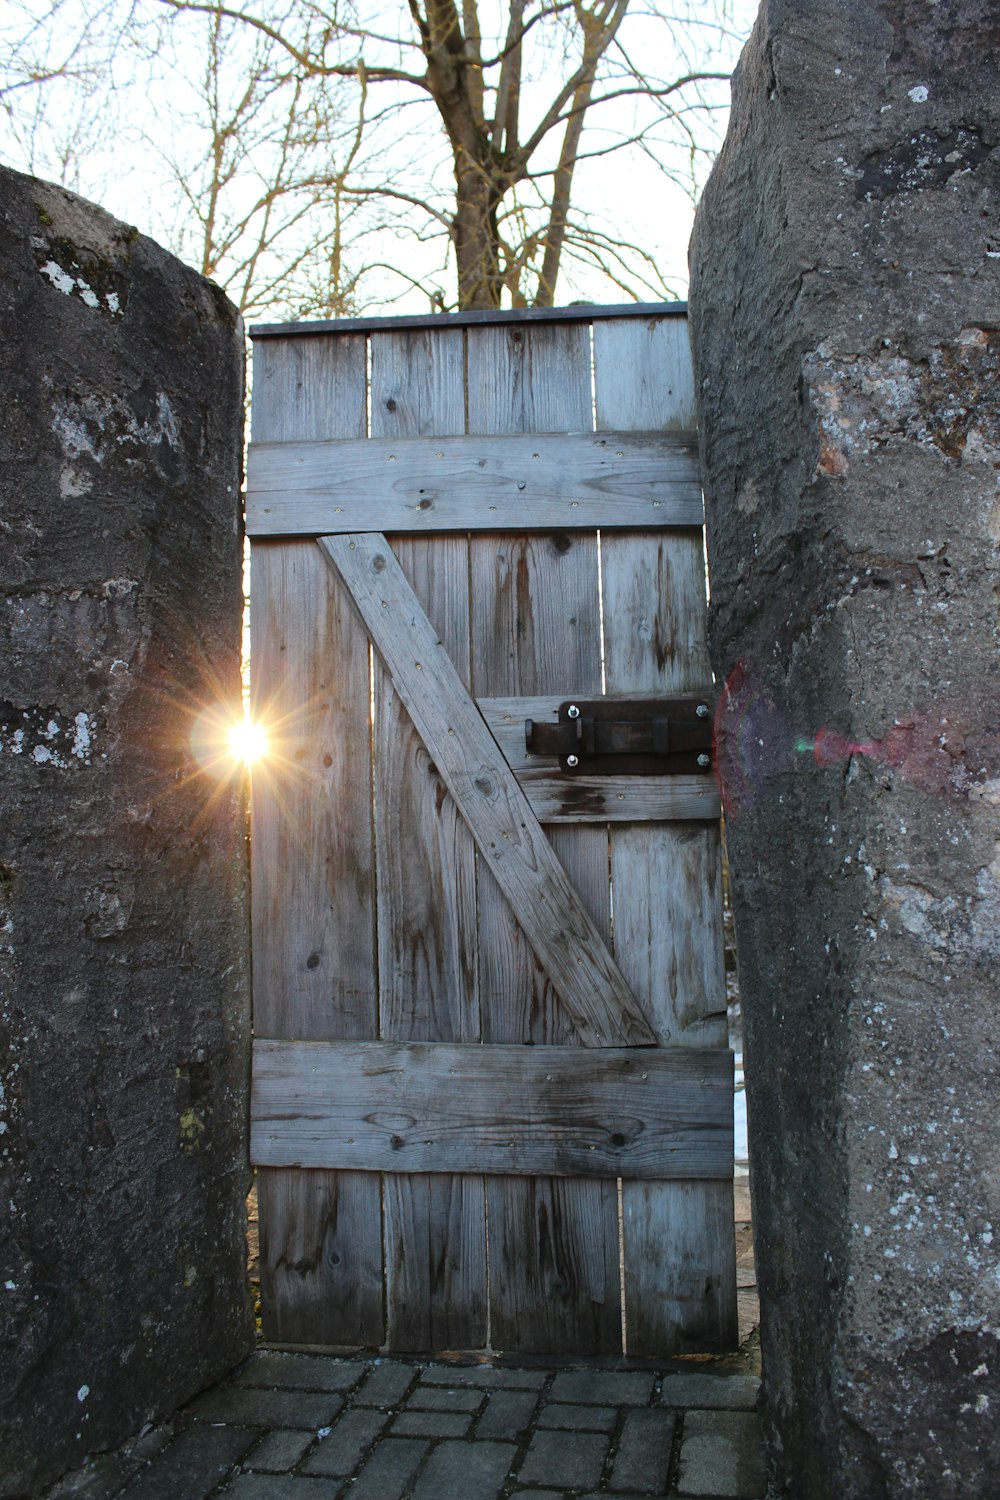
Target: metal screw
(702,710)
(573,712)
(704,760)
(520,484)
(572,760)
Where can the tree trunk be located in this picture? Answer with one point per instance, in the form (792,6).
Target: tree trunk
(477,241)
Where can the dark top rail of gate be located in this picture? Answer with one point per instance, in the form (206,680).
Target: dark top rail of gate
(578,312)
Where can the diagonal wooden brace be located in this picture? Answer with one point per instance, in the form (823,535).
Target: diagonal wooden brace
(507,833)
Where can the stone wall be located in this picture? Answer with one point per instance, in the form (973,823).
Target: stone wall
(845,314)
(124,1010)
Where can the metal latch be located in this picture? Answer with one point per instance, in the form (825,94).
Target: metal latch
(627,736)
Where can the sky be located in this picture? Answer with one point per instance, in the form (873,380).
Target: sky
(139,148)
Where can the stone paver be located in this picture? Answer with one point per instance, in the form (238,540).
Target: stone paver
(465,1471)
(192,1465)
(279,1451)
(721,1392)
(574,1460)
(264,1408)
(341,1452)
(602,1387)
(274,1487)
(487,1377)
(389,1470)
(386,1385)
(575,1418)
(290,1426)
(507,1414)
(439,1424)
(643,1456)
(300,1372)
(721,1456)
(443,1398)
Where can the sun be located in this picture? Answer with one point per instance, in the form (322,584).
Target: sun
(247,741)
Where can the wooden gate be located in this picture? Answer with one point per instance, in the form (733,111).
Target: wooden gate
(492,1102)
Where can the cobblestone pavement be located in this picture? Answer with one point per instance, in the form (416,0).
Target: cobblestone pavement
(318,1427)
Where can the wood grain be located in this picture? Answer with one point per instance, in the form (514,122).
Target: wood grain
(572,480)
(313,906)
(554,1282)
(666,880)
(506,832)
(450,1107)
(435,1227)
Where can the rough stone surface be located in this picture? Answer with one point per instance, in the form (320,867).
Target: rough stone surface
(123,960)
(845,315)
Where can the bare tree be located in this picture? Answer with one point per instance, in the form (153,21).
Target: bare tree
(323,133)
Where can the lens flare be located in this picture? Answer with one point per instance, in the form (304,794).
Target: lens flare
(247,741)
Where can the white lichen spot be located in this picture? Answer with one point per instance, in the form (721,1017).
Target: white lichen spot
(87,293)
(60,279)
(17,741)
(10,1286)
(41,754)
(73,484)
(893,1153)
(114,305)
(83,1393)
(982,1403)
(81,738)
(51,729)
(919,94)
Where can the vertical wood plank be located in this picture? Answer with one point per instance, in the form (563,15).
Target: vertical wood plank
(679,1241)
(554,1283)
(435,1226)
(313,909)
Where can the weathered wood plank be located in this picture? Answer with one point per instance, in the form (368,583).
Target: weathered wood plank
(435,1226)
(506,831)
(472,483)
(320,1256)
(313,920)
(451,1107)
(435,1233)
(646,378)
(555,798)
(679,1245)
(554,1281)
(679,1255)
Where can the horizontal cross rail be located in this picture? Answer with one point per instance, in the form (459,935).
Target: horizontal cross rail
(559,481)
(461,1107)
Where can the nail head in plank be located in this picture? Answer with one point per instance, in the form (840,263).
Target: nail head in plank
(459,1107)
